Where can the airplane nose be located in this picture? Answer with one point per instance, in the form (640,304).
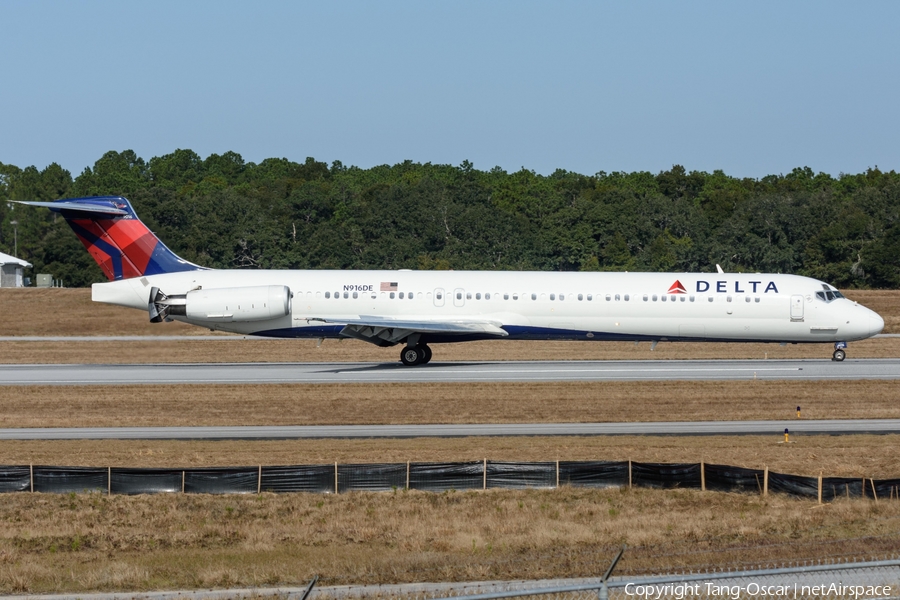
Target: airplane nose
(876,324)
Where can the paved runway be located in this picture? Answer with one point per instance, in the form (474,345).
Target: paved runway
(774,428)
(262,373)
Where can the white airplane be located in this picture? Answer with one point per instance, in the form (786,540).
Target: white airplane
(418,308)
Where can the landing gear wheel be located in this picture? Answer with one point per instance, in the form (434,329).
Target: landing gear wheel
(838,355)
(412,355)
(427,358)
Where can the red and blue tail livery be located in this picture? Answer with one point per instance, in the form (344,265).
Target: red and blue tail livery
(115,237)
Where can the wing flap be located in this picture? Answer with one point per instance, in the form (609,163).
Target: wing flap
(381,331)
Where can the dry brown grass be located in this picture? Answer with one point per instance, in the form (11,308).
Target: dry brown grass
(411,403)
(838,456)
(53,543)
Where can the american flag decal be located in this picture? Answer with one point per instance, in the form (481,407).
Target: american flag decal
(388,286)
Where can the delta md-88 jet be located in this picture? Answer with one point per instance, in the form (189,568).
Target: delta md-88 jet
(417,308)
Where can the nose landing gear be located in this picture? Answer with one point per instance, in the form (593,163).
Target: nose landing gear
(415,355)
(839,352)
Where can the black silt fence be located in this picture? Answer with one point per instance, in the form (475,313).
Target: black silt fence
(521,475)
(15,479)
(62,480)
(594,474)
(842,487)
(371,477)
(725,478)
(440,477)
(665,475)
(887,488)
(222,480)
(299,478)
(795,485)
(145,481)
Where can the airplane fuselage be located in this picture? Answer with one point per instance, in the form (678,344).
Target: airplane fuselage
(527,305)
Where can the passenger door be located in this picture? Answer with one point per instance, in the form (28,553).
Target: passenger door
(796,307)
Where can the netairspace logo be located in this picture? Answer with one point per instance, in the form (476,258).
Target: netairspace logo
(680,591)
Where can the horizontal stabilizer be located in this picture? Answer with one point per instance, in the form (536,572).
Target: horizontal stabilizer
(76,206)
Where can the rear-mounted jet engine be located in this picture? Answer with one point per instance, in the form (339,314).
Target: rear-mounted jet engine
(222,305)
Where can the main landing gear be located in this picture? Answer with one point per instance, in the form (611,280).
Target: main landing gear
(839,352)
(415,355)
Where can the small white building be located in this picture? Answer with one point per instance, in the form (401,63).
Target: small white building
(11,270)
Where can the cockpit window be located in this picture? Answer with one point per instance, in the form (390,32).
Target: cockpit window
(829,296)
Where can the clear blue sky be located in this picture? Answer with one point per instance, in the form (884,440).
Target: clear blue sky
(752,88)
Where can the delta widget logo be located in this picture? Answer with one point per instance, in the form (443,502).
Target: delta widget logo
(677,288)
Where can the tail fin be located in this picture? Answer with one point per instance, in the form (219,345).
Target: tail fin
(115,237)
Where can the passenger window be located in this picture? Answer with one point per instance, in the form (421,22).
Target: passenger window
(506,296)
(468,295)
(663,298)
(534,296)
(746,298)
(487,296)
(478,296)
(627,297)
(590,297)
(562,297)
(392,295)
(579,296)
(459,295)
(654,297)
(400,295)
(346,295)
(327,295)
(645,297)
(515,296)
(683,298)
(728,298)
(553,296)
(355,295)
(756,299)
(438,295)
(710,298)
(607,298)
(692,298)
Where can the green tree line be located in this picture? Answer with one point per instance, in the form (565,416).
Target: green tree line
(224,212)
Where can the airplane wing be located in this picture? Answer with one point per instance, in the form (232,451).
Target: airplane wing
(383,332)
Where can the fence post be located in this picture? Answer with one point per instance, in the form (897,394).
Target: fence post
(259,481)
(335,478)
(182,482)
(874,493)
(820,487)
(557,474)
(108,481)
(629,474)
(766,482)
(31,477)
(702,476)
(863,488)
(407,475)
(484,482)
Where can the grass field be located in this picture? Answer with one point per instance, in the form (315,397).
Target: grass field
(93,542)
(839,456)
(412,403)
